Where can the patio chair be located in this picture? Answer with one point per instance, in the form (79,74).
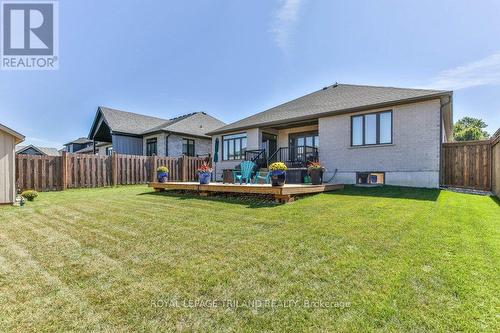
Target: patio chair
(264,175)
(245,172)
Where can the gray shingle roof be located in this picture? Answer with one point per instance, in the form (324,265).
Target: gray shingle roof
(45,150)
(79,141)
(197,123)
(128,122)
(331,100)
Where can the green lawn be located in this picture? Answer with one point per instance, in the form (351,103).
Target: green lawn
(360,259)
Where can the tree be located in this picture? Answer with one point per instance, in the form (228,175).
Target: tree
(469,128)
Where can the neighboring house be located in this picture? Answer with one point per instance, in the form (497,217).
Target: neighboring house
(360,134)
(78,144)
(135,134)
(100,149)
(8,141)
(39,151)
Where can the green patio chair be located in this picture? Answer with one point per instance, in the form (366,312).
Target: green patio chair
(245,172)
(264,175)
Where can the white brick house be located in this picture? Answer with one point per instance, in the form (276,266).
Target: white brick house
(360,134)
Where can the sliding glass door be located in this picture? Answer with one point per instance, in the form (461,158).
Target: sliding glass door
(301,145)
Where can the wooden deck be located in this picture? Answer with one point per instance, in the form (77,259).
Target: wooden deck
(283,194)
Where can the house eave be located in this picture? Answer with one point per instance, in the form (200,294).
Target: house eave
(337,112)
(177,133)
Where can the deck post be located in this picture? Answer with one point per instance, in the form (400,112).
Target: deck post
(283,198)
(153,160)
(183,168)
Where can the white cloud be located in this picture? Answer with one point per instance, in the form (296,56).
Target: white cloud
(478,73)
(285,19)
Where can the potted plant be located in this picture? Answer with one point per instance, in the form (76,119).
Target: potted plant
(315,171)
(162,174)
(204,173)
(278,173)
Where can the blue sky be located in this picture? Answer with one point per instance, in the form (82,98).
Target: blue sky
(235,58)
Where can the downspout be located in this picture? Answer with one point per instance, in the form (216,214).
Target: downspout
(166,143)
(441,139)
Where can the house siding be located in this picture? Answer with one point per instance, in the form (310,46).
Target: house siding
(161,146)
(7,168)
(412,160)
(127,145)
(101,150)
(201,146)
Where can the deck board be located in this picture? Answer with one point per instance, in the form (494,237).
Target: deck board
(282,193)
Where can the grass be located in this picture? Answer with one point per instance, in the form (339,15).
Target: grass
(128,259)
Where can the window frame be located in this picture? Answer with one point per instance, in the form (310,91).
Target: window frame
(109,151)
(241,156)
(377,129)
(188,142)
(150,141)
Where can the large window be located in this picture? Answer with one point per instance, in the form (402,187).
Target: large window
(151,147)
(371,129)
(234,146)
(188,147)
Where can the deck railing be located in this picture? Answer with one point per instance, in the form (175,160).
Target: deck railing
(295,156)
(258,156)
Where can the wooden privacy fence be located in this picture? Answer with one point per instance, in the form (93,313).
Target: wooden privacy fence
(53,173)
(467,164)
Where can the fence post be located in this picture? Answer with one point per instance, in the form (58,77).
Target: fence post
(152,167)
(114,169)
(183,168)
(64,170)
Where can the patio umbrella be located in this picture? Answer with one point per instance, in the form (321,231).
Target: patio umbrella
(216,153)
(216,156)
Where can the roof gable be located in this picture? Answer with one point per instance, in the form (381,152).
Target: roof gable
(41,150)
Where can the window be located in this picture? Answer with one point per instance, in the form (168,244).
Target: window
(109,151)
(370,178)
(188,147)
(234,146)
(371,129)
(151,147)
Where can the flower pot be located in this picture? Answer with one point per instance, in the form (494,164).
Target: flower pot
(316,176)
(204,177)
(278,177)
(162,177)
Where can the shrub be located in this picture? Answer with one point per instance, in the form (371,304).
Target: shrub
(29,195)
(162,169)
(278,166)
(205,168)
